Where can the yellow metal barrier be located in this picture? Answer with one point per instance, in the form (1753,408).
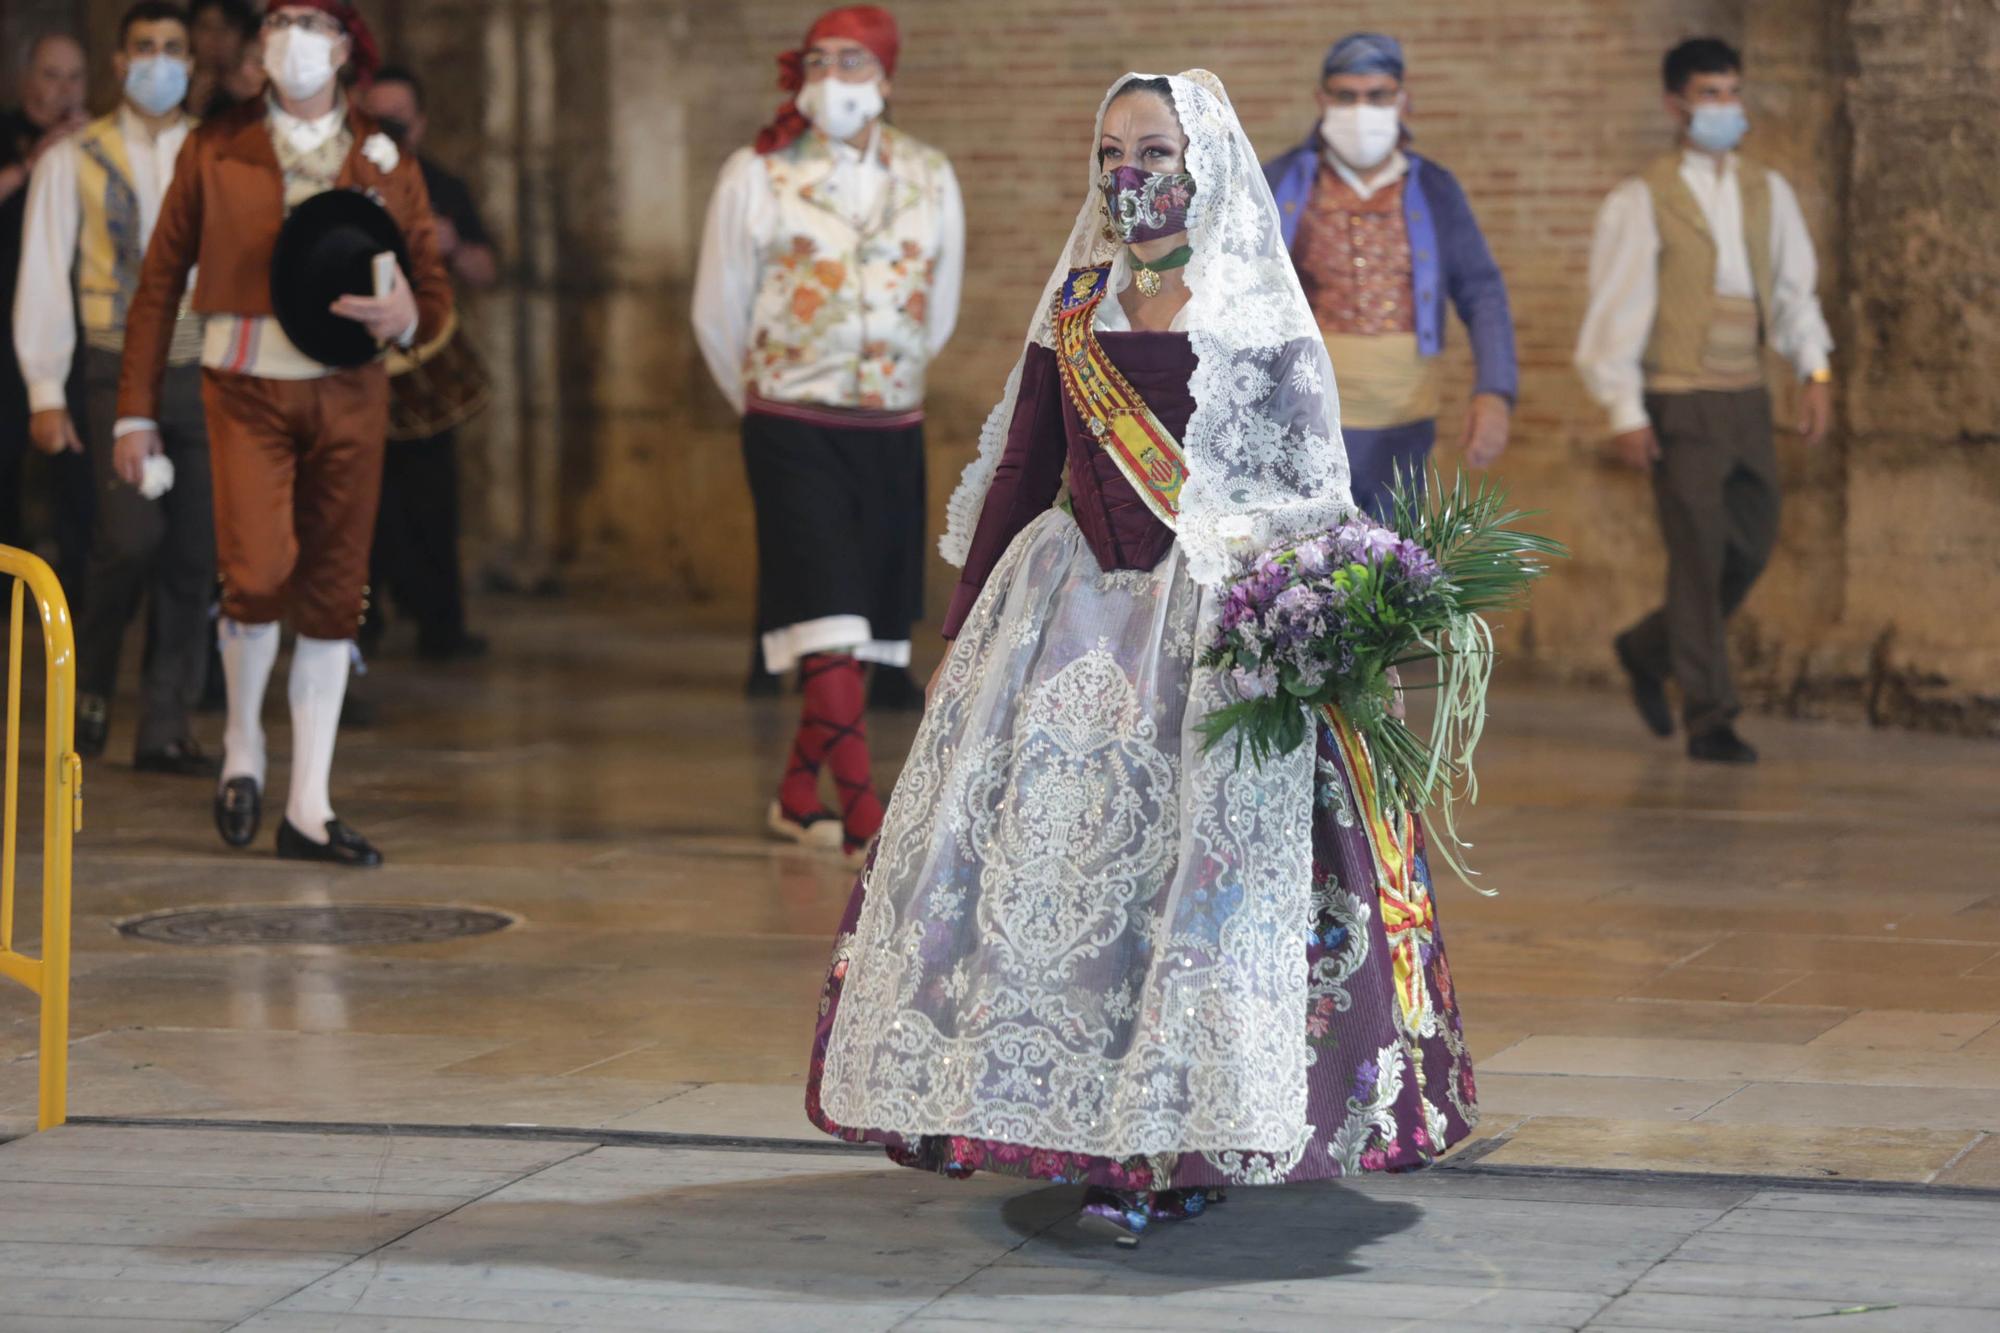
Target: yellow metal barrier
(62,817)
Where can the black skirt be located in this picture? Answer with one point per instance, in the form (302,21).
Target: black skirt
(841,518)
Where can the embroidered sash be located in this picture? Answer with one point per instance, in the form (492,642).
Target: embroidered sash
(1409,919)
(1146,452)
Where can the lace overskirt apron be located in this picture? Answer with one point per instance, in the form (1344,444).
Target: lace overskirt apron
(1088,951)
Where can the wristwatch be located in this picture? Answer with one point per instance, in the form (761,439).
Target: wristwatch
(1823,375)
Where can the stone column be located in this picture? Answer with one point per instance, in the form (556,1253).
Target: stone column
(525,503)
(1922,338)
(498,104)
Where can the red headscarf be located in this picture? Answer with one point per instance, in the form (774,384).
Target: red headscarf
(869,25)
(366,57)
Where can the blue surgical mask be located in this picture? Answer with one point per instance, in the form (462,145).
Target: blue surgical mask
(157,84)
(1717,127)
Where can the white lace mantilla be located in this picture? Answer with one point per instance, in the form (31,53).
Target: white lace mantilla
(1081,932)
(1265,457)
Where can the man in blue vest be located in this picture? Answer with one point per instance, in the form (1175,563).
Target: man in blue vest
(1381,237)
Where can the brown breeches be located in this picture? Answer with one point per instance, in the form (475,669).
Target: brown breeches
(298,474)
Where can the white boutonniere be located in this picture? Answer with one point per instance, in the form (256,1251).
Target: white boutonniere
(381,150)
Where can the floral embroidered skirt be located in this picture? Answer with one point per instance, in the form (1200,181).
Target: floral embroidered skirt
(1090,949)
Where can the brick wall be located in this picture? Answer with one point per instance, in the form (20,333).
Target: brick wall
(1538,107)
(595,129)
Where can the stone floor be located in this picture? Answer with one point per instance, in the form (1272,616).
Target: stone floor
(1789,971)
(185,1230)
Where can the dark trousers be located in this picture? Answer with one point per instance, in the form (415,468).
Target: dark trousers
(1716,488)
(68,482)
(1376,458)
(162,551)
(840,524)
(415,557)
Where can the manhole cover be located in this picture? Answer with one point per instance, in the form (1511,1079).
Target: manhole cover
(280,923)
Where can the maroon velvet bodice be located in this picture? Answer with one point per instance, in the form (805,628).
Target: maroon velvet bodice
(1121,530)
(1046,432)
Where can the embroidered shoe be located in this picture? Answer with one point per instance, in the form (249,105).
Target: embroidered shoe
(1180,1205)
(819,830)
(1122,1218)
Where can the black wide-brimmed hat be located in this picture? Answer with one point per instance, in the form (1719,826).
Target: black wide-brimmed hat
(325,251)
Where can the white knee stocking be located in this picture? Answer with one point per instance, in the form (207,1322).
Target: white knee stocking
(319,685)
(248,654)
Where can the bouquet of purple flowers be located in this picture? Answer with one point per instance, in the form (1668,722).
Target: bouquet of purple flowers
(1326,622)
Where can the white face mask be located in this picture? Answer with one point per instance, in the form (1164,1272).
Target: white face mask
(839,109)
(300,62)
(1363,136)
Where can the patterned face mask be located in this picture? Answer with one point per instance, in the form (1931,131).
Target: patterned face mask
(1146,205)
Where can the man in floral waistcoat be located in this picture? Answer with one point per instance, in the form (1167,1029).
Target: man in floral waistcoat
(829,277)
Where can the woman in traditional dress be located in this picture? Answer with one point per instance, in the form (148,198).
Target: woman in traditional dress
(1087,948)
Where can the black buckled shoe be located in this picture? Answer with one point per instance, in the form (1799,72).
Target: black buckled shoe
(239,811)
(343,846)
(1721,745)
(93,725)
(1649,692)
(182,759)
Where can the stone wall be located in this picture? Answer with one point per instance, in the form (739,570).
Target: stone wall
(1920,317)
(594,129)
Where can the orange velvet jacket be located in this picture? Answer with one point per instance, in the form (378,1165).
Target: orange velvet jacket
(224,210)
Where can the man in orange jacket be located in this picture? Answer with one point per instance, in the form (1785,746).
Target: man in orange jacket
(296,446)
